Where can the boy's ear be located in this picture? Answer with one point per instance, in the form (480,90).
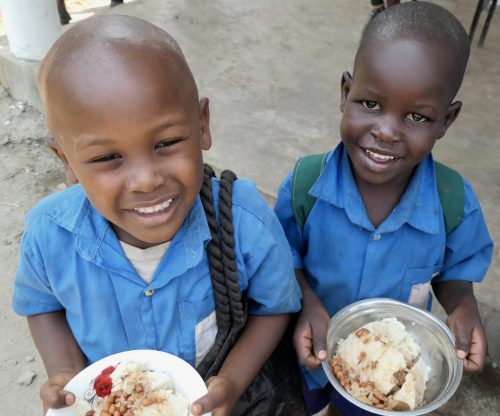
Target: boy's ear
(345,89)
(70,175)
(206,137)
(451,115)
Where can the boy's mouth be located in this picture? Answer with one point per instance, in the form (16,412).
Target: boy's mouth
(378,156)
(154,208)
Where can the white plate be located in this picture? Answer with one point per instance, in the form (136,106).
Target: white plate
(187,381)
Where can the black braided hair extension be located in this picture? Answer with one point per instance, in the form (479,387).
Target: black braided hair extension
(238,312)
(230,310)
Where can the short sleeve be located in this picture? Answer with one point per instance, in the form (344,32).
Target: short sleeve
(284,211)
(268,266)
(469,247)
(32,290)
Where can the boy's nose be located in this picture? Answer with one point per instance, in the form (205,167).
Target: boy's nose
(388,130)
(144,177)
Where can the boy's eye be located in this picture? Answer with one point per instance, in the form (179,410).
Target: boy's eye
(418,118)
(372,105)
(167,143)
(107,158)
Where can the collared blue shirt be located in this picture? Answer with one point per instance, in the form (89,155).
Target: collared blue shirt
(347,259)
(71,260)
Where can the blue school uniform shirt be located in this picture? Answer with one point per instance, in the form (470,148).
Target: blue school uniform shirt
(347,259)
(71,259)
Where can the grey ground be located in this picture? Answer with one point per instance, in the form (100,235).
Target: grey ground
(272,72)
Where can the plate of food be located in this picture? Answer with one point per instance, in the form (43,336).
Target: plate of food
(388,358)
(134,383)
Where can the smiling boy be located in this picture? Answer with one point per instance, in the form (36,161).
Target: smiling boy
(377,228)
(118,261)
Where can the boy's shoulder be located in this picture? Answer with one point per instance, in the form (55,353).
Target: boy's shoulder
(246,198)
(62,208)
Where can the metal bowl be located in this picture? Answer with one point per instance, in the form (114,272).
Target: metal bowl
(435,340)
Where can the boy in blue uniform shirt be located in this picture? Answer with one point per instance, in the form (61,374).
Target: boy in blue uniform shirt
(118,261)
(377,228)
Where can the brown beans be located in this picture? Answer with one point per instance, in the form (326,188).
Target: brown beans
(148,401)
(379,395)
(361,331)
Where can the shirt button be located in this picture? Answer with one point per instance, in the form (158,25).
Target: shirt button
(376,237)
(149,292)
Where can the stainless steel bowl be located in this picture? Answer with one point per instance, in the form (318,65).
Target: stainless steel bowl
(435,340)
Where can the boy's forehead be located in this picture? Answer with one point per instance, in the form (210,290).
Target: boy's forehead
(405,51)
(406,67)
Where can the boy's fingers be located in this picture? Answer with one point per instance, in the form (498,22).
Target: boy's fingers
(477,354)
(302,342)
(311,362)
(56,398)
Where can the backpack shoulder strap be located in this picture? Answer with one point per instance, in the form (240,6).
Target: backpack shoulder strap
(451,192)
(305,173)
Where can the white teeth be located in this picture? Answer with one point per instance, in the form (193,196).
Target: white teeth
(379,156)
(154,208)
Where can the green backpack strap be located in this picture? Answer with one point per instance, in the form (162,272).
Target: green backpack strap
(305,173)
(451,192)
(450,188)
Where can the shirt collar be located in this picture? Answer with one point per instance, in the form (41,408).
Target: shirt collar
(97,242)
(419,205)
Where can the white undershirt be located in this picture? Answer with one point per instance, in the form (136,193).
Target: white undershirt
(145,261)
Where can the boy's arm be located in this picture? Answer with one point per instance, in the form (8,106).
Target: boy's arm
(309,337)
(61,356)
(458,300)
(467,257)
(257,341)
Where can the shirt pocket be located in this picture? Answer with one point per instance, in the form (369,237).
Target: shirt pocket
(416,287)
(198,328)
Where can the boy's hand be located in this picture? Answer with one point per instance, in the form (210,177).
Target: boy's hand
(470,337)
(309,337)
(53,394)
(217,400)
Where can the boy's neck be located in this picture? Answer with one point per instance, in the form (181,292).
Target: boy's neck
(380,200)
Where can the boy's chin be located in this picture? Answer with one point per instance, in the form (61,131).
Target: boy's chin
(142,241)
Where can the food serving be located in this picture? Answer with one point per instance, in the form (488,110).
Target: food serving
(380,364)
(132,389)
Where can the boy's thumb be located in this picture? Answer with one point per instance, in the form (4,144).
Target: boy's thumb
(462,343)
(319,345)
(202,405)
(196,408)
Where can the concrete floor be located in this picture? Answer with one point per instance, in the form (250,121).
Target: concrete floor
(272,72)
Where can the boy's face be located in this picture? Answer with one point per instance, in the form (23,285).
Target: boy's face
(394,109)
(133,138)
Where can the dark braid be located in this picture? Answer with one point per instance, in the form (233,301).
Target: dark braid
(238,314)
(229,309)
(275,390)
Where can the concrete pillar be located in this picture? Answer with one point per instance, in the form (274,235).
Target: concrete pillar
(32,26)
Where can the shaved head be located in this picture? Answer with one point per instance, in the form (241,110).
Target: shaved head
(423,22)
(99,53)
